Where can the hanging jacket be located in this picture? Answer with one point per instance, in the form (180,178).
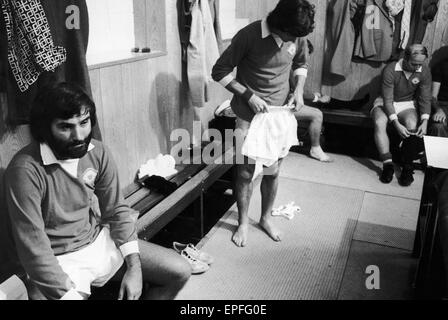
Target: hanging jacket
(341,36)
(423,12)
(375,41)
(202,53)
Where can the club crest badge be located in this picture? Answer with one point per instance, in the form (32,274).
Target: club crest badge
(89,177)
(415,81)
(292,50)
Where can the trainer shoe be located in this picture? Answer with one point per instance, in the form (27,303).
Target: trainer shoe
(193,251)
(197,266)
(388,173)
(406,177)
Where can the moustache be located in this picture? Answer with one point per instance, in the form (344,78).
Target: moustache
(77,144)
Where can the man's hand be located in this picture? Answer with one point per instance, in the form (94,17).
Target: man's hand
(439,116)
(325,99)
(132,283)
(257,104)
(297,99)
(402,130)
(423,129)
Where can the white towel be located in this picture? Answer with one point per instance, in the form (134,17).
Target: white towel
(270,136)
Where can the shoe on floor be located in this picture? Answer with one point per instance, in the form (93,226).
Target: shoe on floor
(406,177)
(388,173)
(193,251)
(197,266)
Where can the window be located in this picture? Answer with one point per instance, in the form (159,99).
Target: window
(111,26)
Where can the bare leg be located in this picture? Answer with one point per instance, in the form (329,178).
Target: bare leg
(380,123)
(315,117)
(243,188)
(164,272)
(269,187)
(382,142)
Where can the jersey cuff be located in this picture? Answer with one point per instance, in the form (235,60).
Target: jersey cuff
(128,248)
(393,117)
(301,72)
(226,80)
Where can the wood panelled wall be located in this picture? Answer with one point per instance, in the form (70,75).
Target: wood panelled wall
(140,103)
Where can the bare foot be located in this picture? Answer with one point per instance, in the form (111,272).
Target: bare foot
(318,154)
(271,230)
(240,235)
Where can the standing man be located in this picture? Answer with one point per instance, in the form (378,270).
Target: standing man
(439,125)
(64,244)
(264,54)
(405,106)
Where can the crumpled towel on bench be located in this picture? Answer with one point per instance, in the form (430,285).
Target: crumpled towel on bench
(271,135)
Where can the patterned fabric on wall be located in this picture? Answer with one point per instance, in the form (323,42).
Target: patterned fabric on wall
(30,44)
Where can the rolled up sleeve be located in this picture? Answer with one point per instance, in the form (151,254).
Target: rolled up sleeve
(301,59)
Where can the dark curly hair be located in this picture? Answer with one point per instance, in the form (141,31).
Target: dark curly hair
(295,17)
(58,101)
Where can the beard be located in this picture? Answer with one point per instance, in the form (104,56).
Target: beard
(69,150)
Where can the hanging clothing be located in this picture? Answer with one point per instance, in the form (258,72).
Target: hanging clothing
(202,53)
(184,8)
(31,49)
(406,24)
(270,136)
(3,56)
(341,36)
(375,41)
(445,36)
(394,6)
(350,77)
(423,12)
(364,29)
(214,9)
(74,69)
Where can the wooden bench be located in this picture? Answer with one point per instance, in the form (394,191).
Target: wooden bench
(347,117)
(156,211)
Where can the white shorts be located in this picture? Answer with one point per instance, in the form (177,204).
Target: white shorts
(93,265)
(399,106)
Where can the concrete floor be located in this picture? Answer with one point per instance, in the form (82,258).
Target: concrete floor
(378,228)
(385,229)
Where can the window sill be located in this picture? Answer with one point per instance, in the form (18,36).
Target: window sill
(117,58)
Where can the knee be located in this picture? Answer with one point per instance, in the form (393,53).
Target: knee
(380,124)
(411,124)
(245,172)
(318,116)
(180,271)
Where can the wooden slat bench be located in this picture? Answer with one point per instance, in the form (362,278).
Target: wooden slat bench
(347,117)
(157,211)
